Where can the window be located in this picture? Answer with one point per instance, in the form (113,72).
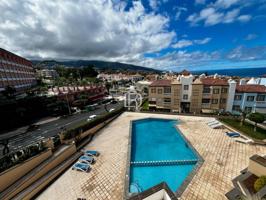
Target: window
(152,102)
(222,100)
(205,100)
(248,109)
(216,91)
(167,100)
(207,90)
(185,97)
(261,97)
(214,101)
(186,87)
(250,98)
(153,90)
(160,91)
(224,90)
(236,108)
(167,90)
(238,97)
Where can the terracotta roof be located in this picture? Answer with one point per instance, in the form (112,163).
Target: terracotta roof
(161,83)
(214,81)
(251,88)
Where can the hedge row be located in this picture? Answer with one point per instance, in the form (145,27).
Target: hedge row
(86,125)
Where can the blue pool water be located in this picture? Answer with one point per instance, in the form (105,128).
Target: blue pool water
(158,140)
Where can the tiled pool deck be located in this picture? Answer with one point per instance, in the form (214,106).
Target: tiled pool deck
(224,158)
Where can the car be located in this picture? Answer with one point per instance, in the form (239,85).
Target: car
(114,102)
(111,110)
(91,117)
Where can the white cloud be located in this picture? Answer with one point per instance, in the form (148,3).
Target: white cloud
(251,36)
(182,44)
(244,18)
(180,10)
(153,4)
(203,41)
(211,16)
(225,3)
(185,43)
(82,29)
(244,53)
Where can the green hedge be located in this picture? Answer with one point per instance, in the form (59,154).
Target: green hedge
(260,183)
(14,158)
(86,125)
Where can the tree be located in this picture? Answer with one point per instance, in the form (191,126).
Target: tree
(257,118)
(9,92)
(243,116)
(88,72)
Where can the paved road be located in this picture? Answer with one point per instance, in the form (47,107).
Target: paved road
(51,128)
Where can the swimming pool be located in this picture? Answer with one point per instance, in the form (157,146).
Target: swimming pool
(159,153)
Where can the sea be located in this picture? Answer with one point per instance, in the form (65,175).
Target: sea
(242,72)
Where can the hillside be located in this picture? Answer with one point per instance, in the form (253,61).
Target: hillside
(97,64)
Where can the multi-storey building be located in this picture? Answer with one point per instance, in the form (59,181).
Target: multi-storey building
(186,94)
(15,71)
(47,73)
(250,98)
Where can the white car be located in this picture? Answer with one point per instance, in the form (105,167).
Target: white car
(91,117)
(111,110)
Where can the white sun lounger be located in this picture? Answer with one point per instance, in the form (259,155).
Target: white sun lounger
(217,122)
(218,125)
(248,141)
(211,122)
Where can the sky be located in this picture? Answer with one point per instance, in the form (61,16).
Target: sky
(162,34)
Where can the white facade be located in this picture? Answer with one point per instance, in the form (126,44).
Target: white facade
(186,91)
(231,95)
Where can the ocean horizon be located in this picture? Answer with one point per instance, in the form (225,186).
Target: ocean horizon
(242,72)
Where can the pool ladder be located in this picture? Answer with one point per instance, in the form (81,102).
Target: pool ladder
(165,162)
(137,186)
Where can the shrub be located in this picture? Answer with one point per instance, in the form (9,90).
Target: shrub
(260,183)
(14,158)
(257,118)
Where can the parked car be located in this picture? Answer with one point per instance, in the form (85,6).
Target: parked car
(111,110)
(91,117)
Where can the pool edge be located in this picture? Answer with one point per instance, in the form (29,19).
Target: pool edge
(184,184)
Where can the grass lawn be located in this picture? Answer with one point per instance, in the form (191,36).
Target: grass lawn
(247,129)
(145,105)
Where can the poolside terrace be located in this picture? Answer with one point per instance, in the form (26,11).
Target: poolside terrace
(224,158)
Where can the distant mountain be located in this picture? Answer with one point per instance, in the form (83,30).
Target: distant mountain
(96,63)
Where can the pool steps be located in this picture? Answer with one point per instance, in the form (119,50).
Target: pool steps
(165,162)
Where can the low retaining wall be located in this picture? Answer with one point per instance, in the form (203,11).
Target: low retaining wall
(39,172)
(11,175)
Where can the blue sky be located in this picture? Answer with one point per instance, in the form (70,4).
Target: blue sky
(162,34)
(236,30)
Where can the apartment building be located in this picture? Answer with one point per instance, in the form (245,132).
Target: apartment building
(250,98)
(47,74)
(213,94)
(187,94)
(15,71)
